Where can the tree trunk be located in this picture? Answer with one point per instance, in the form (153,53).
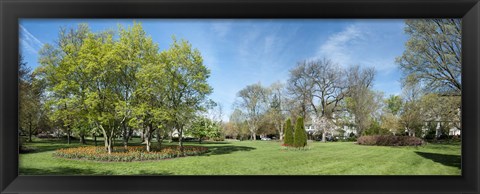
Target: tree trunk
(109,145)
(106,139)
(148,137)
(143,134)
(147,142)
(125,135)
(180,138)
(82,139)
(254,136)
(30,132)
(324,139)
(281,132)
(68,136)
(95,139)
(159,139)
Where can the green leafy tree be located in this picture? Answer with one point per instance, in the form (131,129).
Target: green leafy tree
(60,69)
(288,140)
(101,94)
(202,128)
(394,104)
(187,87)
(300,135)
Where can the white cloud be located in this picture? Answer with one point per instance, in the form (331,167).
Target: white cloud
(336,47)
(29,41)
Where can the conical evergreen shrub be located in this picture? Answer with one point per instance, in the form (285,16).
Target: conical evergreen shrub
(288,139)
(300,137)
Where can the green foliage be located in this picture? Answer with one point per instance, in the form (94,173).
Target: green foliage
(203,127)
(300,135)
(376,129)
(394,104)
(97,81)
(288,140)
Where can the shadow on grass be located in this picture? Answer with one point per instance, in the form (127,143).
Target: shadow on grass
(447,160)
(61,171)
(219,150)
(47,148)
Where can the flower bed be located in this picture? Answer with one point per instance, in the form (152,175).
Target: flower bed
(133,153)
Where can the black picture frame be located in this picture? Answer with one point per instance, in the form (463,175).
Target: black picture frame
(12,10)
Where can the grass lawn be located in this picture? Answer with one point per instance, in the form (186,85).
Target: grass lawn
(260,158)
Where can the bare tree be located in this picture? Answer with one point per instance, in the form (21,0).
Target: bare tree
(253,102)
(433,54)
(275,114)
(320,85)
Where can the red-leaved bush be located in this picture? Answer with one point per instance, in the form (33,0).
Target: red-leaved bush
(389,140)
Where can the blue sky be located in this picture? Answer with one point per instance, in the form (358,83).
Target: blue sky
(243,52)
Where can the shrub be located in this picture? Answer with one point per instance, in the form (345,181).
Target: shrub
(389,140)
(288,140)
(132,153)
(300,136)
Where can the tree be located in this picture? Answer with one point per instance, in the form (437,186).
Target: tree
(441,110)
(253,101)
(288,141)
(239,126)
(361,101)
(101,95)
(300,136)
(390,119)
(203,127)
(433,54)
(275,113)
(134,50)
(319,81)
(31,111)
(142,95)
(411,116)
(327,125)
(391,122)
(394,104)
(187,87)
(60,70)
